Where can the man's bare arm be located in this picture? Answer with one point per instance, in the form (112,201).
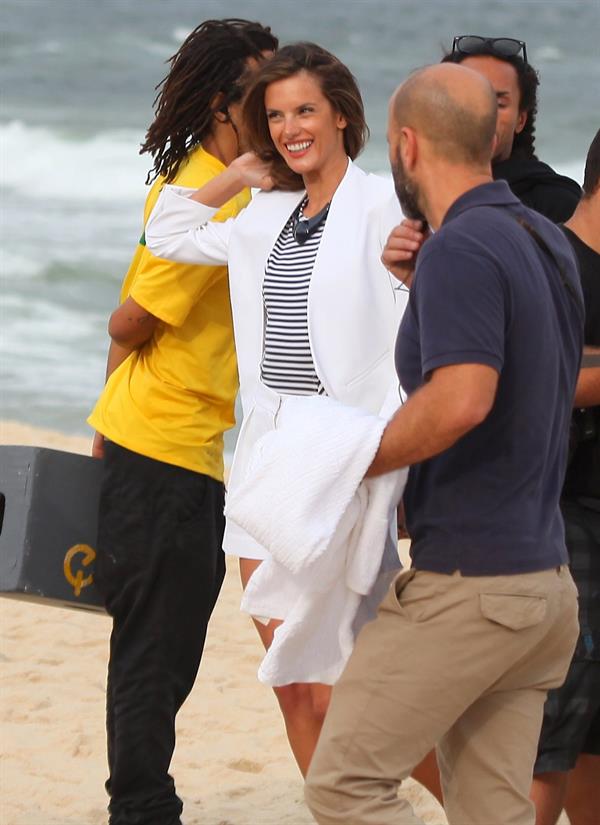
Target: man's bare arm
(116,356)
(131,325)
(455,400)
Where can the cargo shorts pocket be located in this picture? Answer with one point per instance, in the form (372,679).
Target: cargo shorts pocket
(514,611)
(391,600)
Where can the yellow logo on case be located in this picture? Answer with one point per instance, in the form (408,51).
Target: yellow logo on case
(78,580)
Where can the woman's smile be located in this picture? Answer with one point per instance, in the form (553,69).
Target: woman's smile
(299,148)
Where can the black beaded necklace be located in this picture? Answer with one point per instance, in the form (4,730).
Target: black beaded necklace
(303,228)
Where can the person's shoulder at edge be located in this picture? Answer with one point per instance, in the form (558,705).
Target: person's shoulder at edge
(533,171)
(540,187)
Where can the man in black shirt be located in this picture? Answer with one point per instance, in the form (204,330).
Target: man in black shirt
(567,769)
(515,82)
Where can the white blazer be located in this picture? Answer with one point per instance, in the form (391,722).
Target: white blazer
(354,304)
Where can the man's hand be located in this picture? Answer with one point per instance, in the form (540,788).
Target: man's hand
(98,446)
(400,252)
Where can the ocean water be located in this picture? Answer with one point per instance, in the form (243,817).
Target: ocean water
(77,88)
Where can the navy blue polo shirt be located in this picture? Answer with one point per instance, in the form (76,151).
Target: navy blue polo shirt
(484,293)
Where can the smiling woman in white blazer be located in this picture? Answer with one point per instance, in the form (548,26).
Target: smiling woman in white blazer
(354,304)
(304,117)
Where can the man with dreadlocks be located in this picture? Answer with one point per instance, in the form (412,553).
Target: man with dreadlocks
(169,396)
(503,61)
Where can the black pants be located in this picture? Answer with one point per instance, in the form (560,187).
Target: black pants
(159,567)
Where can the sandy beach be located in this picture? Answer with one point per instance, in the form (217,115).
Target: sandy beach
(232,764)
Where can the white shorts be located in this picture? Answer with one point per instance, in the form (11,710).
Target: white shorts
(259,421)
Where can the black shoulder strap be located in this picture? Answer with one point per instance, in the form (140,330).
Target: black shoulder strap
(566,282)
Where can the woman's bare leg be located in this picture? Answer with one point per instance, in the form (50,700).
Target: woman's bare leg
(304,707)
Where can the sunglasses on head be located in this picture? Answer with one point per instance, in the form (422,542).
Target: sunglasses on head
(500,46)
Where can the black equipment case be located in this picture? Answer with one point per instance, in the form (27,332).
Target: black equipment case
(48,526)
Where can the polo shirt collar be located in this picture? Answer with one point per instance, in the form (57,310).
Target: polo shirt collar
(495,193)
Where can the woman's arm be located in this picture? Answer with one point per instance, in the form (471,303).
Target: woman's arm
(247,170)
(180,227)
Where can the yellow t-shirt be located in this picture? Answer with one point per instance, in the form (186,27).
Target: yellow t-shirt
(172,399)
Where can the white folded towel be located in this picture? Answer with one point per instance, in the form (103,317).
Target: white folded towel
(330,535)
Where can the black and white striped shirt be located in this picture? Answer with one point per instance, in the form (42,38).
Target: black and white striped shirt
(287,364)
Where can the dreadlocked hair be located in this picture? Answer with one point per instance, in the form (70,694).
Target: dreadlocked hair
(211,61)
(528,79)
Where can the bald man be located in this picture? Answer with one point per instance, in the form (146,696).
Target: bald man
(469,640)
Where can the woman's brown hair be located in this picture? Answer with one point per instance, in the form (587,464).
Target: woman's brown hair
(338,85)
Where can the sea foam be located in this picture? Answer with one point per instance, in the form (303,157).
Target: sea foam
(43,163)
